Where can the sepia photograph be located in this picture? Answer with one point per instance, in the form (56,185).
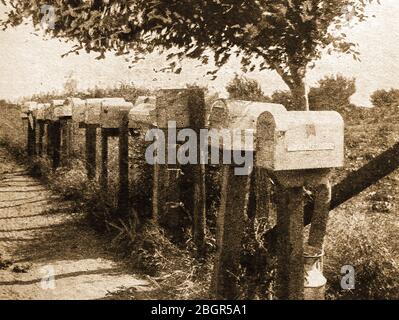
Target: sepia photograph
(199,156)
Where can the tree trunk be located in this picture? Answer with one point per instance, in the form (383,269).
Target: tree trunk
(299,93)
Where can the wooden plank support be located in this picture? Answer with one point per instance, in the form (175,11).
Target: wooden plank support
(104,160)
(197,116)
(231,219)
(31,143)
(49,135)
(41,132)
(91,150)
(290,268)
(65,141)
(56,145)
(123,197)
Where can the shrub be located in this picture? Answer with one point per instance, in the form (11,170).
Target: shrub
(332,93)
(362,242)
(385,98)
(244,88)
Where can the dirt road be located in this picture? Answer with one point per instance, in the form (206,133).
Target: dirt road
(45,251)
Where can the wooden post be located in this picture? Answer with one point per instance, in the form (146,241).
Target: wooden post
(65,143)
(123,197)
(31,145)
(197,115)
(56,139)
(91,150)
(40,125)
(290,263)
(231,219)
(49,135)
(104,160)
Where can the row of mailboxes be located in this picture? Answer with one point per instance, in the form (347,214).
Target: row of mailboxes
(284,140)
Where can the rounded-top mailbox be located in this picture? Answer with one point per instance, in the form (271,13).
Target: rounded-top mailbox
(27,107)
(60,110)
(111,111)
(93,109)
(298,140)
(77,107)
(143,113)
(38,113)
(239,117)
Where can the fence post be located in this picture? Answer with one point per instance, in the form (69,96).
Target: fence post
(197,114)
(31,145)
(231,219)
(290,261)
(49,142)
(123,197)
(104,160)
(40,125)
(91,150)
(65,144)
(56,139)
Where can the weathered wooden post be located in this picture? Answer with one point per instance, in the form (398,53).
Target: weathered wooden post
(63,112)
(104,160)
(179,109)
(30,125)
(231,220)
(56,143)
(38,114)
(142,117)
(53,115)
(233,125)
(123,198)
(78,108)
(91,123)
(40,125)
(298,149)
(114,120)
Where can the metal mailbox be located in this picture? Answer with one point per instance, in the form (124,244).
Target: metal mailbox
(58,111)
(239,117)
(298,140)
(111,110)
(93,109)
(50,113)
(78,108)
(27,107)
(38,113)
(143,113)
(62,109)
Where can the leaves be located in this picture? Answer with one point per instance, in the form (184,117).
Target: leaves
(278,34)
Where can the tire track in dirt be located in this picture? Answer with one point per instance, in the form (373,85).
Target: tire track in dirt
(52,254)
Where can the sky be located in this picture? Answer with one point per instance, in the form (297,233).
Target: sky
(30,64)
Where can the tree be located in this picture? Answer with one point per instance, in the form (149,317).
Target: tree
(332,93)
(243,88)
(282,35)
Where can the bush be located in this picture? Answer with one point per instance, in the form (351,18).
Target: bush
(244,88)
(385,98)
(332,93)
(362,242)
